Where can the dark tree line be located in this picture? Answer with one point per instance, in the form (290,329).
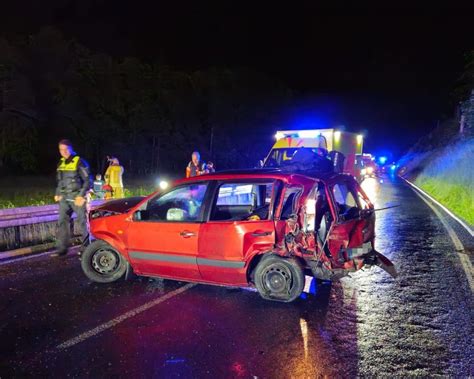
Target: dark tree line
(149,115)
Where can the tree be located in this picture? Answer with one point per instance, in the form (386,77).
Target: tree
(466,80)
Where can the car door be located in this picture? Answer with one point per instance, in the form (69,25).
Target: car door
(163,236)
(349,230)
(240,222)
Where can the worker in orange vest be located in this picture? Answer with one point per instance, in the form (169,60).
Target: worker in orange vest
(195,167)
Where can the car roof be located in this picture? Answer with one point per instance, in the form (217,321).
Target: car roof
(271,174)
(290,177)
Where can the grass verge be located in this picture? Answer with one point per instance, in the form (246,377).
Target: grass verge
(37,196)
(456,197)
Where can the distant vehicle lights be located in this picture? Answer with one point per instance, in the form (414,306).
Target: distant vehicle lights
(382,160)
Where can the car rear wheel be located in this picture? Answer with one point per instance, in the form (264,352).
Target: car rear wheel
(279,279)
(102,263)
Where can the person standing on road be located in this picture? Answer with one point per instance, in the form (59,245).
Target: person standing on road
(113,177)
(98,185)
(195,167)
(73,186)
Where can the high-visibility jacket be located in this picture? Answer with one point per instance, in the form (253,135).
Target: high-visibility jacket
(113,177)
(73,177)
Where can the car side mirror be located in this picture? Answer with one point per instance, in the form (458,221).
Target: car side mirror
(141,215)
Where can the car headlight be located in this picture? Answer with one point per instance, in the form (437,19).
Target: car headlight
(370,170)
(363,171)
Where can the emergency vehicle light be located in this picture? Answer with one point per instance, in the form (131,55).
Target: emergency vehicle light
(308,133)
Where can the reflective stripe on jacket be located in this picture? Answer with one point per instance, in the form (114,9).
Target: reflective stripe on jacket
(73,176)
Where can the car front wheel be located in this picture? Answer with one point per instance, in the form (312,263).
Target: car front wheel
(102,263)
(279,279)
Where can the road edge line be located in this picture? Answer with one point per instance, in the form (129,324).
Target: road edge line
(461,222)
(117,320)
(464,258)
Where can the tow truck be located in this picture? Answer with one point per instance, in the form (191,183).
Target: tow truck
(341,148)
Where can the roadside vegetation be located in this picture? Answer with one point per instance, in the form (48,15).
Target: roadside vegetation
(37,191)
(447,174)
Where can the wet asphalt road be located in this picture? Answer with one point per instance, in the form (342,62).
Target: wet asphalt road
(55,323)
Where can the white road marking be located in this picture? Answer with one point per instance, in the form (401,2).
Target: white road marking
(110,324)
(464,258)
(463,224)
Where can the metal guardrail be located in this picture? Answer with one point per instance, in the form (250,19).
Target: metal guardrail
(32,215)
(26,226)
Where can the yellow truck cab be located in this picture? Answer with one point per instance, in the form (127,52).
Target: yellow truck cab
(288,142)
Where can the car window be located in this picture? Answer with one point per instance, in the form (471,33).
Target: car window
(181,204)
(242,201)
(236,194)
(345,201)
(289,202)
(363,203)
(342,195)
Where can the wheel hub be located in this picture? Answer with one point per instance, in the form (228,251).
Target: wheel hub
(105,261)
(277,280)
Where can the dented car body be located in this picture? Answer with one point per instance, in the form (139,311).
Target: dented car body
(261,228)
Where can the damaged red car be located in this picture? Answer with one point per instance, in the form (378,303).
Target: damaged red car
(261,228)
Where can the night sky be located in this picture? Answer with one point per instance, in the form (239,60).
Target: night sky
(387,71)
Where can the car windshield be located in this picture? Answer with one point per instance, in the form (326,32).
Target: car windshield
(281,157)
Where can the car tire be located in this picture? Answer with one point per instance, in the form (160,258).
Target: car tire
(279,279)
(102,263)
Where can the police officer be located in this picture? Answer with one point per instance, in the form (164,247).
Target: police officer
(73,185)
(195,167)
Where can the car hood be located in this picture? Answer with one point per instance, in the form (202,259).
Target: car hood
(119,205)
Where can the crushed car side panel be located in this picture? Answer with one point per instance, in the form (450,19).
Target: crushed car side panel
(342,239)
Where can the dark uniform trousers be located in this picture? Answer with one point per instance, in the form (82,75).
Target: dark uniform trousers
(66,209)
(73,180)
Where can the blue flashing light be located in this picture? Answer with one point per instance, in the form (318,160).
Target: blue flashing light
(393,167)
(382,160)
